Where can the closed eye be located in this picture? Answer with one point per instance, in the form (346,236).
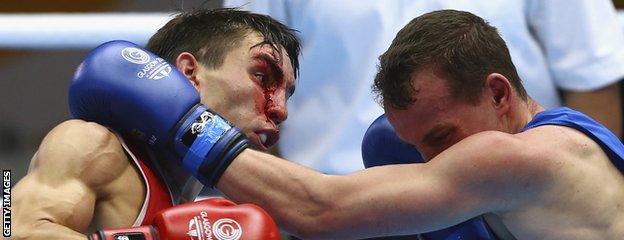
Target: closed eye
(438,136)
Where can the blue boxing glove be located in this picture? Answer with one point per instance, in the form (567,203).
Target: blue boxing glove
(381,146)
(137,93)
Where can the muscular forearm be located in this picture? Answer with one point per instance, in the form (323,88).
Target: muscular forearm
(603,104)
(294,195)
(41,212)
(44,229)
(363,204)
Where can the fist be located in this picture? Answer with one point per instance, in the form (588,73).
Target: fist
(210,219)
(216,218)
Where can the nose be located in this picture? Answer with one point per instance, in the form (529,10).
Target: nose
(277,110)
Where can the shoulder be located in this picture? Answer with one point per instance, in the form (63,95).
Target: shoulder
(80,128)
(501,169)
(83,150)
(74,165)
(494,147)
(558,141)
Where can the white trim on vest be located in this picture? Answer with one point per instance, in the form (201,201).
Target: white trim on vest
(141,216)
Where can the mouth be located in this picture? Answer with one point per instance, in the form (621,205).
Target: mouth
(264,139)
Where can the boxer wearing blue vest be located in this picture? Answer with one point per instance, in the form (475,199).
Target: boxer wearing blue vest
(381,146)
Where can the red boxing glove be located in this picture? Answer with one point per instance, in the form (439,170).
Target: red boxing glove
(210,219)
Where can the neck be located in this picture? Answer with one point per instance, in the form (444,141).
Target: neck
(528,110)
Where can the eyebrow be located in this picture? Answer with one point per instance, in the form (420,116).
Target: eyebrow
(430,137)
(273,64)
(279,73)
(277,70)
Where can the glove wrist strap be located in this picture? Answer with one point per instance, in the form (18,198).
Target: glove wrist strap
(207,144)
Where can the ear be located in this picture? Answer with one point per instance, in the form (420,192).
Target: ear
(188,65)
(499,92)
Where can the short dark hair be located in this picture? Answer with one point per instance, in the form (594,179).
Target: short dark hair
(210,34)
(459,46)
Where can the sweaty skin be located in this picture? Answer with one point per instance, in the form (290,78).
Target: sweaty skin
(81,180)
(549,182)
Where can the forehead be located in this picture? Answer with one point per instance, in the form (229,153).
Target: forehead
(254,44)
(433,104)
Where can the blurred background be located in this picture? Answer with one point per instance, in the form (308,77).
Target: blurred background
(41,43)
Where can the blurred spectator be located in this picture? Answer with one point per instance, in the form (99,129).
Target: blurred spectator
(568,48)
